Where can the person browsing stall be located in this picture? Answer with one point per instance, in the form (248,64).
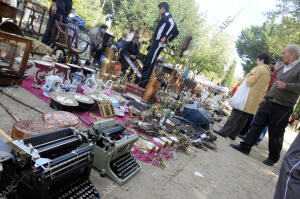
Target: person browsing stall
(276,107)
(96,38)
(131,49)
(257,80)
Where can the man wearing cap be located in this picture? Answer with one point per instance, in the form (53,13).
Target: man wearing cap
(277,66)
(276,107)
(59,11)
(166,31)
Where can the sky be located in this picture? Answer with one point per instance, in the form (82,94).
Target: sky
(251,12)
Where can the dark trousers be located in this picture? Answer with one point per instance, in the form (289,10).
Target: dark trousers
(235,123)
(276,117)
(151,58)
(47,38)
(288,184)
(245,130)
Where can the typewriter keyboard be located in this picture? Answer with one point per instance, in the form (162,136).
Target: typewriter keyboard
(79,189)
(139,106)
(113,129)
(124,165)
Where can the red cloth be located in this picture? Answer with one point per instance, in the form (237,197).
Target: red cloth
(27,84)
(272,79)
(293,118)
(235,89)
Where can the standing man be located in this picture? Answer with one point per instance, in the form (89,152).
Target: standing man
(166,31)
(276,107)
(59,11)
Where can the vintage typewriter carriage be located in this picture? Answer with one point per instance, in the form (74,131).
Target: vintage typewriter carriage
(112,151)
(59,165)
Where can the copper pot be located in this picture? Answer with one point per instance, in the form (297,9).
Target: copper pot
(151,90)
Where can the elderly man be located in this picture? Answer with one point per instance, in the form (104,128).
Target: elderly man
(276,107)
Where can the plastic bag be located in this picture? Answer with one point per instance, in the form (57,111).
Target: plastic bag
(239,99)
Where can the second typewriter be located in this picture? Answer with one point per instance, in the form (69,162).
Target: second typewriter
(113,151)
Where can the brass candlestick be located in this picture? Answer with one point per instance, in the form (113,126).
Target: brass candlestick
(124,79)
(133,77)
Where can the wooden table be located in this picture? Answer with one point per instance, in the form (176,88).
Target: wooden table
(7,11)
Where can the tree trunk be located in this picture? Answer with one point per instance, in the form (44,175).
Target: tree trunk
(200,70)
(99,15)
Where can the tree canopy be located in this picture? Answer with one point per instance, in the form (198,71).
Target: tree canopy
(209,52)
(287,8)
(228,80)
(282,27)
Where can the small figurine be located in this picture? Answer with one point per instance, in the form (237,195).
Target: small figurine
(133,77)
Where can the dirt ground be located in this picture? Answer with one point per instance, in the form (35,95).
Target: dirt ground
(222,174)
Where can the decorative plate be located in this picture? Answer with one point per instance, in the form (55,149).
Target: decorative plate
(64,99)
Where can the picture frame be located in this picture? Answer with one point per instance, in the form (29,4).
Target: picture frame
(106,109)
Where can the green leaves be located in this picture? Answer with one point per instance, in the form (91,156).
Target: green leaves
(206,53)
(228,80)
(209,52)
(271,37)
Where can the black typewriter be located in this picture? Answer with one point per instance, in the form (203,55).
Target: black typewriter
(52,165)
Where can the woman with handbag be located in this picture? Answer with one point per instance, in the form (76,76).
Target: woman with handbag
(245,101)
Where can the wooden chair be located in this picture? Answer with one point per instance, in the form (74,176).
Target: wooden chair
(66,41)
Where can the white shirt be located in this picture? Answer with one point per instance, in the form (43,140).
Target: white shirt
(289,67)
(130,36)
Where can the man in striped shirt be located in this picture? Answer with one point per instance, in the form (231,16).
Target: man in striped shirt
(166,31)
